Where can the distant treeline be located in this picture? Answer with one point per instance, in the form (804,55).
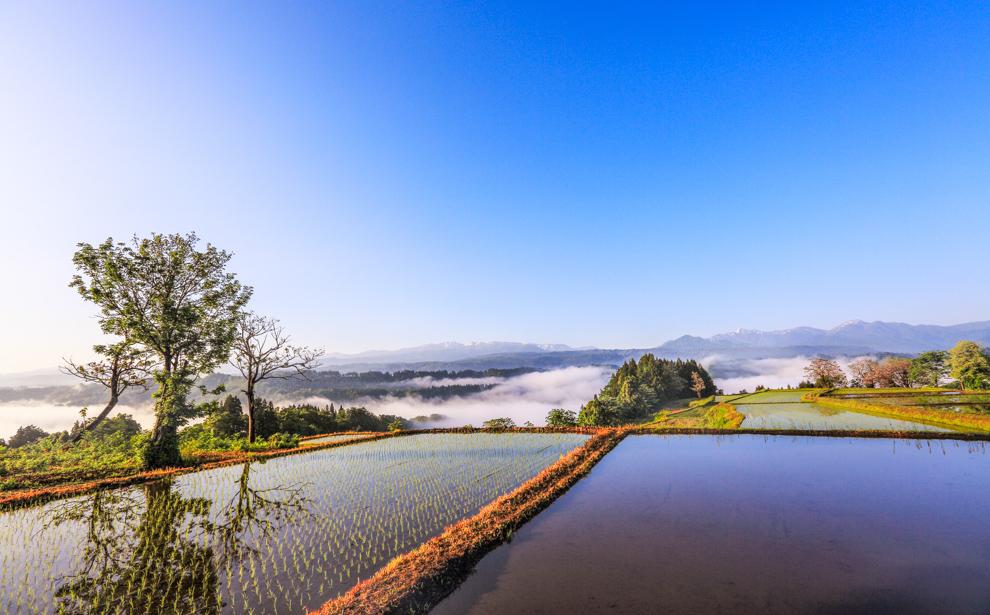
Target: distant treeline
(639,388)
(226,419)
(331,384)
(351,394)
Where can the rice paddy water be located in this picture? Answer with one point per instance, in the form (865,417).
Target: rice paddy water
(785,410)
(279,536)
(753,524)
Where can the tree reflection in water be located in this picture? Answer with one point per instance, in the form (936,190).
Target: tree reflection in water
(165,556)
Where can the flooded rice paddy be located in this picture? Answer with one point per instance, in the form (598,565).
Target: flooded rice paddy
(341,437)
(281,536)
(805,415)
(754,524)
(785,410)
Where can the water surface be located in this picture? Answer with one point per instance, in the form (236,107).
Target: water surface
(281,536)
(754,524)
(805,415)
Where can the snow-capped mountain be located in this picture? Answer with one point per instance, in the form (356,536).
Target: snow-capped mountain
(878,336)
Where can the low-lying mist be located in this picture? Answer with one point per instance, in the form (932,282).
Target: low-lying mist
(733,375)
(522,398)
(53,418)
(527,397)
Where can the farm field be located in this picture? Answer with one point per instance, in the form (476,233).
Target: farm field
(335,438)
(805,415)
(753,524)
(976,403)
(281,536)
(785,410)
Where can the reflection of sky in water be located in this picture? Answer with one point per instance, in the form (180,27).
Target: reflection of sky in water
(753,525)
(813,416)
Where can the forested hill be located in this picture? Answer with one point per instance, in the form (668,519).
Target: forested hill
(639,388)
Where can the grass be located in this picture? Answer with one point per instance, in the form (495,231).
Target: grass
(704,401)
(51,461)
(723,416)
(78,482)
(887,391)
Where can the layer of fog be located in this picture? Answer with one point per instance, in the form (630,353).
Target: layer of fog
(527,397)
(734,375)
(522,398)
(53,418)
(425,382)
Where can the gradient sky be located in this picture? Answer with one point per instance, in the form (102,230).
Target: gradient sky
(394,174)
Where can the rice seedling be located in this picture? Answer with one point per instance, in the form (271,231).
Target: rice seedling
(280,536)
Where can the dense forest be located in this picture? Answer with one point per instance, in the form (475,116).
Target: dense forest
(638,389)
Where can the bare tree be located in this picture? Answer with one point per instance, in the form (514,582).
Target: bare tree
(121,367)
(697,384)
(262,351)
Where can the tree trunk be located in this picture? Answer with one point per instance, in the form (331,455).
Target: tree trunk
(96,421)
(162,450)
(250,412)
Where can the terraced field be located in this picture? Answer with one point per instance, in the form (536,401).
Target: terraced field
(276,537)
(785,410)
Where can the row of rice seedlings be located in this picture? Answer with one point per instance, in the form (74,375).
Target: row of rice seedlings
(276,537)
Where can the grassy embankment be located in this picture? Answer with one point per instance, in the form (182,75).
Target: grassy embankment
(699,414)
(51,462)
(723,416)
(923,414)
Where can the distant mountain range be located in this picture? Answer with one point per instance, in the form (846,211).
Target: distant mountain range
(848,339)
(853,338)
(444,351)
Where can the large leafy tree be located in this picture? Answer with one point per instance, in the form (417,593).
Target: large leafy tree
(928,368)
(559,417)
(173,300)
(970,365)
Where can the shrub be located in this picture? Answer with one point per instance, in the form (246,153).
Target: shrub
(558,417)
(499,423)
(29,434)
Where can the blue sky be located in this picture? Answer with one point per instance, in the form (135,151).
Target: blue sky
(394,174)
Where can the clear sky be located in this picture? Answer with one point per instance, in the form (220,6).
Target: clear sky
(400,173)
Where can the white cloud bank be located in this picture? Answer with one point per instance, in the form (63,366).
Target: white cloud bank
(523,398)
(773,373)
(57,418)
